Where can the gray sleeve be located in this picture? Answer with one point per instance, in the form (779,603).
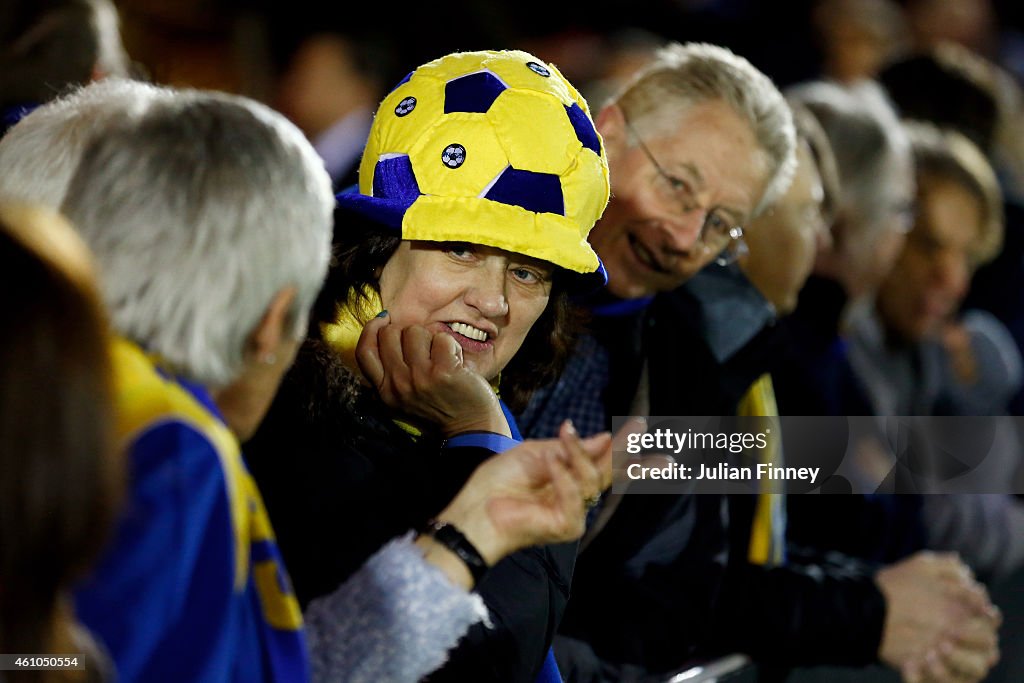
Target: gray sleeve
(393,620)
(986,529)
(999,365)
(994,342)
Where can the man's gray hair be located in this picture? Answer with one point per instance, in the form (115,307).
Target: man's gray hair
(39,154)
(864,131)
(199,212)
(683,75)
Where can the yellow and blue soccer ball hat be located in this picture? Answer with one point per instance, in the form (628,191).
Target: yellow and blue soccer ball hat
(491,147)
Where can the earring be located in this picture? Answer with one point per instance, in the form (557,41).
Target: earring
(268,358)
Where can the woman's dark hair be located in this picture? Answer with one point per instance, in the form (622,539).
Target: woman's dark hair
(362,251)
(59,482)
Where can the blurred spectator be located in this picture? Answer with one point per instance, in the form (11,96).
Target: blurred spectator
(786,239)
(954,88)
(784,244)
(970,23)
(988,28)
(873,213)
(959,226)
(875,208)
(812,373)
(916,355)
(59,479)
(330,88)
(209,44)
(621,54)
(51,45)
(857,37)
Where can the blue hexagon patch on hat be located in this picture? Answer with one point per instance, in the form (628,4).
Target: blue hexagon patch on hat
(472,93)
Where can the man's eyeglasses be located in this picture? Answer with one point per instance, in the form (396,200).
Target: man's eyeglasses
(718,234)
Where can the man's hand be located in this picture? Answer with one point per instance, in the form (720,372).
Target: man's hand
(939,625)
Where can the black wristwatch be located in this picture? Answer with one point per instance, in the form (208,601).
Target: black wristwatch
(448,535)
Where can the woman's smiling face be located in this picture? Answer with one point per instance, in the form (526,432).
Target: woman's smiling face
(486,298)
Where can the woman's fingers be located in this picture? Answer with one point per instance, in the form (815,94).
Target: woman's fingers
(389,341)
(599,449)
(564,517)
(396,381)
(530,494)
(445,352)
(580,462)
(416,342)
(567,494)
(368,350)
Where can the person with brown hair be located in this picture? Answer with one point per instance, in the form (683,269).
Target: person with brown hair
(447,305)
(59,479)
(412,590)
(918,352)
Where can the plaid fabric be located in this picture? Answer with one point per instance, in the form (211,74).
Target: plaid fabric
(577,395)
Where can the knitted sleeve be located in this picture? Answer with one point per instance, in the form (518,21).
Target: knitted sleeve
(393,620)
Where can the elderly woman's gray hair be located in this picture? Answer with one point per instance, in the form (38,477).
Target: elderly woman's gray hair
(39,154)
(683,75)
(199,212)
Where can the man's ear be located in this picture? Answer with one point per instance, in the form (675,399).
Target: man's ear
(271,330)
(611,124)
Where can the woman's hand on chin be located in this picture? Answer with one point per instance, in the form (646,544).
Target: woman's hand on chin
(422,374)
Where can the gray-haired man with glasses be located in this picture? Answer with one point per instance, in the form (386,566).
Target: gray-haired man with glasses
(699,142)
(720,233)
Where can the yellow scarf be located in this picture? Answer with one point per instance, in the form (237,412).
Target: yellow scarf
(343,334)
(350,317)
(767,542)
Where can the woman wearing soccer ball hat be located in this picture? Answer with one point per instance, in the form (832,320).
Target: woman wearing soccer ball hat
(448,304)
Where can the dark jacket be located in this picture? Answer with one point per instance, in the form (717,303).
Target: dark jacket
(813,375)
(666,582)
(340,479)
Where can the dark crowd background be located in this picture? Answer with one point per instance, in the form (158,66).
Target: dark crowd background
(239,45)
